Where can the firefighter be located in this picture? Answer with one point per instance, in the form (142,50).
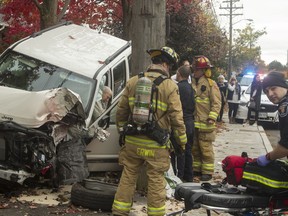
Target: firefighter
(207,108)
(139,148)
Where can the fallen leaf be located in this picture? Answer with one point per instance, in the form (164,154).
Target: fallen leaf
(4,206)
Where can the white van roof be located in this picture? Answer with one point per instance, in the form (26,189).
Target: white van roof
(73,47)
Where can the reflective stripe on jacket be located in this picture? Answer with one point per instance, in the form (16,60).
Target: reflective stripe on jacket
(207,102)
(169,113)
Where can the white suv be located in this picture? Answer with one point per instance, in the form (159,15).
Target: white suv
(50,83)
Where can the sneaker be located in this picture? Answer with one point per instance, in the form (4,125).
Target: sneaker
(206,177)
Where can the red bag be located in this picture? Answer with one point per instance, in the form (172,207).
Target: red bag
(233,167)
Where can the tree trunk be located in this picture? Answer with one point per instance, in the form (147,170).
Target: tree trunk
(148,31)
(127,19)
(48,13)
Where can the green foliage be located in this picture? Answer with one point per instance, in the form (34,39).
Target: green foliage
(245,52)
(275,66)
(193,31)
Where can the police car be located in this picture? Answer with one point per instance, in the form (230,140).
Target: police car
(268,111)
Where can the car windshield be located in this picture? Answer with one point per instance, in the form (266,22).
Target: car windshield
(245,81)
(26,73)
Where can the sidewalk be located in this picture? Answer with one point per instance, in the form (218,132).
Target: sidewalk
(231,139)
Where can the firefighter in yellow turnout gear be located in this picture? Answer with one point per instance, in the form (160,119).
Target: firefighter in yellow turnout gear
(207,108)
(140,149)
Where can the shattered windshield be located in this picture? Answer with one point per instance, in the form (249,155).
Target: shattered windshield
(26,73)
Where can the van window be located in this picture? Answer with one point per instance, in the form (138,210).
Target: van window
(103,82)
(26,73)
(119,77)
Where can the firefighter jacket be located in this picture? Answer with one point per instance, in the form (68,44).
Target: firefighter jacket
(208,102)
(169,113)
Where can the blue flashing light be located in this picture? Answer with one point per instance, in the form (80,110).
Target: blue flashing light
(250,72)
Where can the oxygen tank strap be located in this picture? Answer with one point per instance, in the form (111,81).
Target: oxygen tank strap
(155,90)
(159,80)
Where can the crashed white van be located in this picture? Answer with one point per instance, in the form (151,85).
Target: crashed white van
(49,85)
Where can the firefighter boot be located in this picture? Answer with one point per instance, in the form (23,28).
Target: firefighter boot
(206,177)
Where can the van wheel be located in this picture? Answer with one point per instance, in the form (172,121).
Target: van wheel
(99,196)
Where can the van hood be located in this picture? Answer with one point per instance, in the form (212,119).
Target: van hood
(34,109)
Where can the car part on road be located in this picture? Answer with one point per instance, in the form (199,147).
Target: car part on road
(93,194)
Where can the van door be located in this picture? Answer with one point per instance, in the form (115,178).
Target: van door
(103,156)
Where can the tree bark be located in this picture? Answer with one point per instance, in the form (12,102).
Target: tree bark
(127,19)
(148,31)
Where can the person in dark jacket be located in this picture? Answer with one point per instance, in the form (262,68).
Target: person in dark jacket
(233,98)
(182,164)
(276,89)
(255,98)
(223,90)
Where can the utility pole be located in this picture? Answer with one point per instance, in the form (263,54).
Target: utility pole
(231,8)
(148,31)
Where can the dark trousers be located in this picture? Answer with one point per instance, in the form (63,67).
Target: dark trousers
(221,112)
(182,164)
(256,114)
(233,107)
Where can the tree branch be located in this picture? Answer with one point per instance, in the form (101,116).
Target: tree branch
(64,9)
(37,4)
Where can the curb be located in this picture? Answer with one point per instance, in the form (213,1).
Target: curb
(265,139)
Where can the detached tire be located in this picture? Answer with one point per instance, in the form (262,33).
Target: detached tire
(100,196)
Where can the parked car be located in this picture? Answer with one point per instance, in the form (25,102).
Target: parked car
(268,110)
(50,82)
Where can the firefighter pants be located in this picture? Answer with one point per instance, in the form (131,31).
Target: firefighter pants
(157,161)
(202,151)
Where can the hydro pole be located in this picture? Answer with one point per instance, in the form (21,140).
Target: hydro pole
(231,8)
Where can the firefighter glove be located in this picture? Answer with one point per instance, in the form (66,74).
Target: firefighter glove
(121,138)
